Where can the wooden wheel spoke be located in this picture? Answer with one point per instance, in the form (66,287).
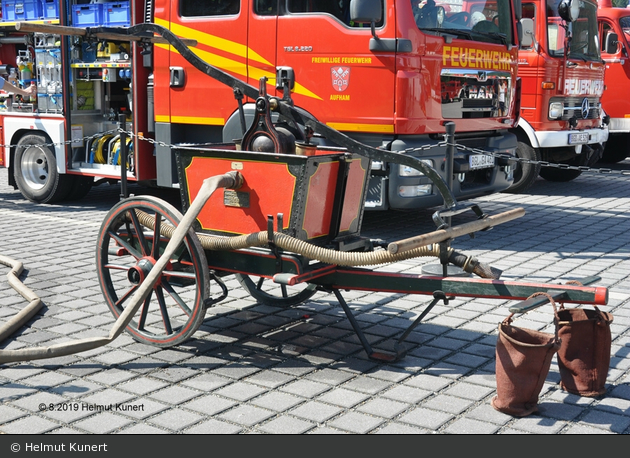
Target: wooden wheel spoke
(259,285)
(176,297)
(125,244)
(155,252)
(283,288)
(165,318)
(139,228)
(144,312)
(126,296)
(115,266)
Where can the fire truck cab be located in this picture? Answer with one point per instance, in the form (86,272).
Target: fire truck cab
(614,33)
(560,65)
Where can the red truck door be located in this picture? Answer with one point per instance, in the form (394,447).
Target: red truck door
(227,38)
(338,79)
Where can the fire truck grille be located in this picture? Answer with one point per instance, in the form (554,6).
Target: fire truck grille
(577,107)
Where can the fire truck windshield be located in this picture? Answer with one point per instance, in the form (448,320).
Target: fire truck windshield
(624,22)
(479,20)
(579,38)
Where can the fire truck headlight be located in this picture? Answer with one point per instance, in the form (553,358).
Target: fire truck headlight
(555,110)
(406,171)
(414,191)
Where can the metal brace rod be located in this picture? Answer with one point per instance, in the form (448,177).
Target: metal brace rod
(437,296)
(378,356)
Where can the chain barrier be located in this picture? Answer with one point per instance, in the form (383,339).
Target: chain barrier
(74,140)
(460,147)
(581,168)
(442,144)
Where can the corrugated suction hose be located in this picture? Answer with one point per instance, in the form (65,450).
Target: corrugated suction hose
(329,256)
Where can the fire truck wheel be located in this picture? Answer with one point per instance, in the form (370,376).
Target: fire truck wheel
(267,292)
(80,187)
(525,174)
(617,149)
(127,250)
(36,172)
(559,175)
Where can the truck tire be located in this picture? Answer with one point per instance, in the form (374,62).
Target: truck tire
(36,172)
(617,149)
(81,186)
(525,174)
(559,175)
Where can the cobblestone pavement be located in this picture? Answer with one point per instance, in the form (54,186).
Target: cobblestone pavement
(252,368)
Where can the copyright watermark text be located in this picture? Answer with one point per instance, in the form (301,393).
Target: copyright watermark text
(84,407)
(69,447)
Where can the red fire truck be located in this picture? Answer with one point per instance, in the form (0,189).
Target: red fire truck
(562,84)
(378,80)
(614,31)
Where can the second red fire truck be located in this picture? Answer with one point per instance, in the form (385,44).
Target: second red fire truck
(562,72)
(614,30)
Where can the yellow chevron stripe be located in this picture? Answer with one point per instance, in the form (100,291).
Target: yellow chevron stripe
(342,126)
(225,64)
(222,63)
(190,120)
(213,41)
(198,120)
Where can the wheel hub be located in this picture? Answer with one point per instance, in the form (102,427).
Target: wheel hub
(35,167)
(139,272)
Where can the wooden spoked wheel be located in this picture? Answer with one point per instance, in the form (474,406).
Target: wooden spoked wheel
(267,292)
(131,240)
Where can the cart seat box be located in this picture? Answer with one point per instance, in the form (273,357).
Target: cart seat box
(321,197)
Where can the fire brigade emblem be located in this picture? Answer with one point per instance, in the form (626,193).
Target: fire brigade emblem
(340,78)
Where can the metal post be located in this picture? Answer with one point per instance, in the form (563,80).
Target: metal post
(443,268)
(448,171)
(123,156)
(450,154)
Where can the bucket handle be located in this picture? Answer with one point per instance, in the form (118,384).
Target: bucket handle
(508,319)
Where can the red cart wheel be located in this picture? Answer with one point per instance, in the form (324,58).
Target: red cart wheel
(267,292)
(126,252)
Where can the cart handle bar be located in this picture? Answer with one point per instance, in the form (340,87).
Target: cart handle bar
(455,231)
(103,33)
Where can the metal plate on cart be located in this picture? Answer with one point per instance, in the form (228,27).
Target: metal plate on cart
(578,138)
(480,161)
(235,199)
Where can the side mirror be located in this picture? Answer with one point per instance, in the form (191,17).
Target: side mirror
(569,10)
(612,41)
(518,9)
(365,11)
(527,35)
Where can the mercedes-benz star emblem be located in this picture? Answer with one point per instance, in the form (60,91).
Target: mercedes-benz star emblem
(585,108)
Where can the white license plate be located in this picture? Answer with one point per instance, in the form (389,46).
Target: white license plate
(576,139)
(480,161)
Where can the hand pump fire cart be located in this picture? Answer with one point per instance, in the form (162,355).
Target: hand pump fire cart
(282,209)
(285,210)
